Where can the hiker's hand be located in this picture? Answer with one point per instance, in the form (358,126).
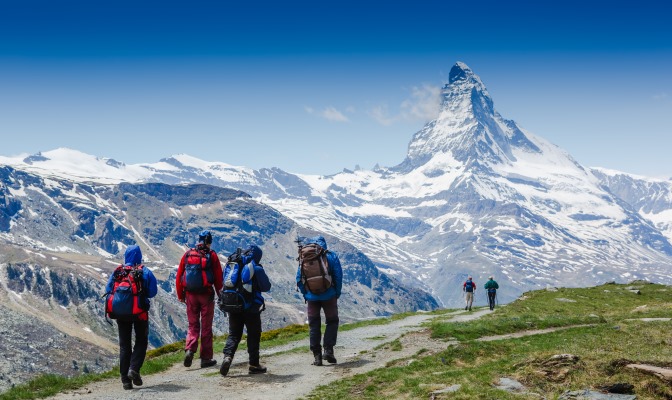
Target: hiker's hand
(183,300)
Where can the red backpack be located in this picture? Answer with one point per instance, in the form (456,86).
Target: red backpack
(198,276)
(127,300)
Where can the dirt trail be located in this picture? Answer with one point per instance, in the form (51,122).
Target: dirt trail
(290,374)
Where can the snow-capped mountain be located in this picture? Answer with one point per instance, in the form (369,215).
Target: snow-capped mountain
(652,198)
(475,195)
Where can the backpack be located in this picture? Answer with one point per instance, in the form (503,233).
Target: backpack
(469,286)
(127,300)
(315,272)
(198,276)
(237,294)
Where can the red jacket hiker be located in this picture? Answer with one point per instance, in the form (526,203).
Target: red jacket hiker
(216,270)
(199,271)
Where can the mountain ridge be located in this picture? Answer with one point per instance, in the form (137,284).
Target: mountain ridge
(475,194)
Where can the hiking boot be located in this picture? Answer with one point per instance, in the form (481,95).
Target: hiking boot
(329,355)
(208,363)
(469,308)
(256,369)
(127,385)
(135,378)
(188,358)
(226,364)
(465,308)
(318,359)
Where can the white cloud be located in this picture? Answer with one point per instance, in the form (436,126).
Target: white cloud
(381,115)
(331,113)
(423,105)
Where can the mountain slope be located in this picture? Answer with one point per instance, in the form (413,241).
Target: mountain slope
(60,240)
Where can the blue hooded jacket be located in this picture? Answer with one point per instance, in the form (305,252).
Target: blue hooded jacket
(133,256)
(260,282)
(334,267)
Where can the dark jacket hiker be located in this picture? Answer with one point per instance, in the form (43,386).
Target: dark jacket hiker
(249,316)
(135,282)
(491,287)
(324,298)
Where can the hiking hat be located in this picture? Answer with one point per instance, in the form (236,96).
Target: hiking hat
(469,277)
(491,277)
(205,237)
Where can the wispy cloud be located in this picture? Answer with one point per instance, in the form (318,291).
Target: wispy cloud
(660,96)
(331,113)
(423,104)
(381,115)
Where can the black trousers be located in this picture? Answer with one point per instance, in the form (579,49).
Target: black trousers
(252,322)
(491,298)
(330,308)
(132,357)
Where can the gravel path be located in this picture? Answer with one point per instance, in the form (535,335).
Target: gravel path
(290,374)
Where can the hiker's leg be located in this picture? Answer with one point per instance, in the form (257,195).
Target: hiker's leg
(141,341)
(253,325)
(207,314)
(193,316)
(314,322)
(331,320)
(236,325)
(125,331)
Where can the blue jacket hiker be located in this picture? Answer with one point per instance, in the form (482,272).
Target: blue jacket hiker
(319,277)
(250,318)
(132,358)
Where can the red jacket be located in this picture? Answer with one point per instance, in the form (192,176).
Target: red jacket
(216,271)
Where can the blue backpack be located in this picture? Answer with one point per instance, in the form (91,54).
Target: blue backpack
(237,294)
(469,286)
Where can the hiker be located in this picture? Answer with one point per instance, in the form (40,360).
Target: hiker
(469,288)
(249,317)
(320,285)
(198,272)
(139,285)
(491,286)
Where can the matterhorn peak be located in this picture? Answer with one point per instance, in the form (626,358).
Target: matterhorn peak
(467,127)
(460,71)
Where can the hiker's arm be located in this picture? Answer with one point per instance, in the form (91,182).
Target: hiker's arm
(152,287)
(178,280)
(263,283)
(337,271)
(110,284)
(217,272)
(299,284)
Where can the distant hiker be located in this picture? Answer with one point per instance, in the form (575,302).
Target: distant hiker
(469,288)
(319,277)
(128,290)
(491,286)
(198,272)
(245,278)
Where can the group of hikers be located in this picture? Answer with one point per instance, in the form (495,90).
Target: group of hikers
(238,288)
(469,289)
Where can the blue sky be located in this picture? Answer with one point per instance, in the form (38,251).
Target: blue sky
(249,84)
